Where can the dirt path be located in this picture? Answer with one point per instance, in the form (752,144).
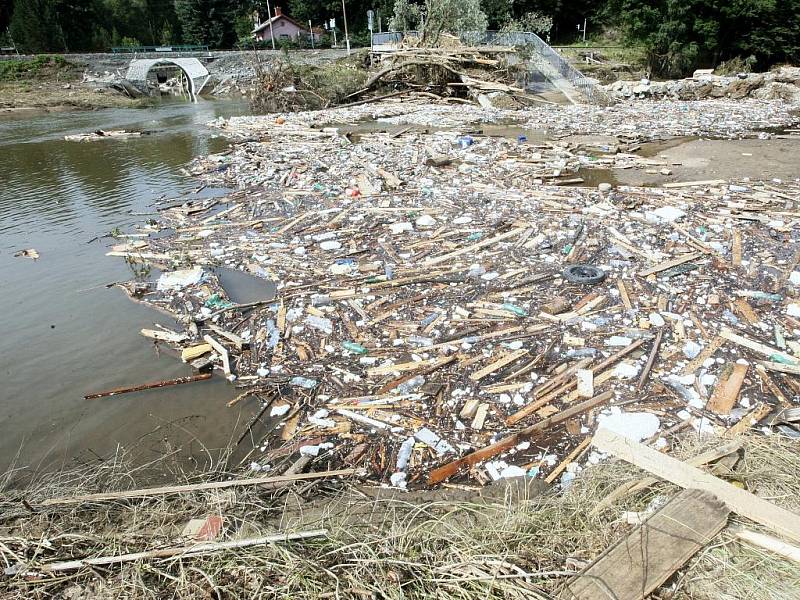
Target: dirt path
(717,159)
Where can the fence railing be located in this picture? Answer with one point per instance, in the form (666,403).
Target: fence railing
(543,56)
(158,49)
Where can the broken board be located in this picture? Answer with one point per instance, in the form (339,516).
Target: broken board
(642,561)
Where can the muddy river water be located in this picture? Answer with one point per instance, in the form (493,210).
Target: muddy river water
(63,334)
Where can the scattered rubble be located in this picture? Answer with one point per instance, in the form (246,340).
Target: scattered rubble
(782,83)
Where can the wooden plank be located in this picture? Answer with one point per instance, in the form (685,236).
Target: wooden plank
(762,540)
(749,420)
(709,351)
(570,457)
(278,481)
(769,351)
(220,349)
(482,244)
(780,520)
(623,294)
(746,311)
(736,250)
(668,264)
(703,182)
(631,487)
(163,336)
(407,366)
(231,337)
(639,563)
(727,390)
(446,471)
(497,365)
(780,367)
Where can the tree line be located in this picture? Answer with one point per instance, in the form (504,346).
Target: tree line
(677,35)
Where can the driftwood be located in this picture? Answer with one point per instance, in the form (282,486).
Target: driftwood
(149,386)
(269,482)
(193,550)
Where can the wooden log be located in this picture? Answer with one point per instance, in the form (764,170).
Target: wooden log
(639,563)
(268,482)
(446,471)
(748,505)
(149,386)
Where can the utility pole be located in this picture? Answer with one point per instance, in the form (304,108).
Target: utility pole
(311,31)
(271,31)
(346,35)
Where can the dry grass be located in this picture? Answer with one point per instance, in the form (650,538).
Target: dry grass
(451,544)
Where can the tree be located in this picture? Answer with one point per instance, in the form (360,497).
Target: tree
(34,26)
(207,22)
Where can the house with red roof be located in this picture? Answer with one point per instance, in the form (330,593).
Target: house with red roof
(282,27)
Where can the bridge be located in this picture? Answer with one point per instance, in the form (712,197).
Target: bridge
(196,73)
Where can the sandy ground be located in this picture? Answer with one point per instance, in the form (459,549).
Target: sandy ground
(25,95)
(717,159)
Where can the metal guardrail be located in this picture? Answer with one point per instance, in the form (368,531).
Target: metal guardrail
(157,49)
(543,56)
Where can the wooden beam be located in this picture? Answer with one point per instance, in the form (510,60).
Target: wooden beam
(748,505)
(671,263)
(642,561)
(642,484)
(482,244)
(220,349)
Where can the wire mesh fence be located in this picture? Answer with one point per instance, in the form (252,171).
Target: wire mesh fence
(542,55)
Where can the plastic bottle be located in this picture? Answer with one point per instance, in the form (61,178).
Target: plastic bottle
(404,454)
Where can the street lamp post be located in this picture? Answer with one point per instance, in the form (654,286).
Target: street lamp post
(271,31)
(346,35)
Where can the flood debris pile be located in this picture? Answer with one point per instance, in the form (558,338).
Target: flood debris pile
(441,312)
(484,76)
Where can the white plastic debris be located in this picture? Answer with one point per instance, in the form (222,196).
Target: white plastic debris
(397,228)
(279,410)
(330,245)
(440,446)
(626,370)
(177,280)
(665,214)
(636,426)
(425,221)
(692,349)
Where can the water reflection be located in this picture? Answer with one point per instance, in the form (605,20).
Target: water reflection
(64,333)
